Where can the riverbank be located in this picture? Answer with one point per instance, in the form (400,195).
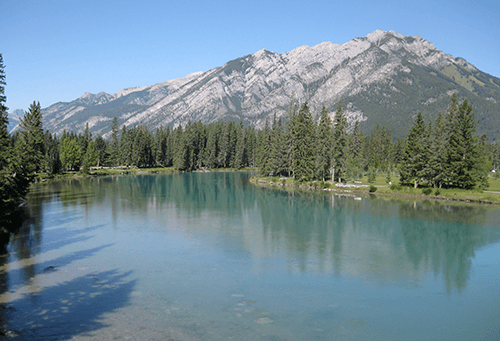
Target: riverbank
(123,170)
(476,196)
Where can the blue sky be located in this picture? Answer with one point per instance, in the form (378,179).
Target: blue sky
(57,50)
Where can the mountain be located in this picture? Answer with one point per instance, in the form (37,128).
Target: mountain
(14,118)
(384,78)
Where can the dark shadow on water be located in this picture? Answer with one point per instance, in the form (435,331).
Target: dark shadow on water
(24,275)
(68,309)
(30,238)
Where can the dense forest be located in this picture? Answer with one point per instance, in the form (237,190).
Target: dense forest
(444,153)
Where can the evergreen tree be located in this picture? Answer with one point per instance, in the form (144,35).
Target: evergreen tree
(251,146)
(181,154)
(227,144)
(14,180)
(414,158)
(323,160)
(276,160)
(355,151)
(85,139)
(31,144)
(211,154)
(339,157)
(91,158)
(142,151)
(240,149)
(127,138)
(198,146)
(264,150)
(101,150)
(52,161)
(303,145)
(437,159)
(463,153)
(399,147)
(289,136)
(114,146)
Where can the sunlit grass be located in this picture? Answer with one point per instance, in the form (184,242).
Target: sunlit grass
(473,195)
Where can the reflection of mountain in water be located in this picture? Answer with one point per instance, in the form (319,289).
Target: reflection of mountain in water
(381,240)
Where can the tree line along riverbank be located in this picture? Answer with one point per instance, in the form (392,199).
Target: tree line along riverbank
(436,156)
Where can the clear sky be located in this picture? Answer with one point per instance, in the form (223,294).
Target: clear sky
(57,50)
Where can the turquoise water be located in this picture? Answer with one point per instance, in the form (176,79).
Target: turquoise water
(208,256)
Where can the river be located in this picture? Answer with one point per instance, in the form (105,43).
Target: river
(209,256)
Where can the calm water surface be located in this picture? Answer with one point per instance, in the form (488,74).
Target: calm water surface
(208,256)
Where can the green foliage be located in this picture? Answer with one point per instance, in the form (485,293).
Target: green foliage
(416,154)
(372,175)
(427,190)
(71,154)
(15,176)
(395,187)
(339,157)
(31,142)
(303,145)
(325,144)
(372,189)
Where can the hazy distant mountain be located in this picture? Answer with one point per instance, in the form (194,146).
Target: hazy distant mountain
(14,119)
(384,78)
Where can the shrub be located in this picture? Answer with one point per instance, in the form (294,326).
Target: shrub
(373,189)
(427,191)
(395,187)
(438,191)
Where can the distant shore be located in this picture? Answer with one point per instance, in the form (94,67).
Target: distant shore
(361,188)
(490,196)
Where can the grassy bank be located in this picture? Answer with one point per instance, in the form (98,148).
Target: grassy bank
(380,187)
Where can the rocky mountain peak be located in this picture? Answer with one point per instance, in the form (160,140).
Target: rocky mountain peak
(384,78)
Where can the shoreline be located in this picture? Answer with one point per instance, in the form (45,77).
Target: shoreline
(472,197)
(310,186)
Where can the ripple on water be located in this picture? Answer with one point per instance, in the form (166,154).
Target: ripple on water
(263,320)
(357,323)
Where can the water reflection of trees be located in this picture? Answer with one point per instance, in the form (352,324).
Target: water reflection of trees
(314,230)
(417,237)
(443,238)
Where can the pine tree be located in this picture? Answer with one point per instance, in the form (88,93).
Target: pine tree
(240,150)
(127,137)
(276,148)
(52,160)
(114,150)
(463,152)
(141,148)
(102,151)
(437,157)
(211,155)
(414,158)
(251,146)
(14,178)
(339,159)
(323,160)
(31,145)
(303,145)
(289,136)
(264,150)
(355,151)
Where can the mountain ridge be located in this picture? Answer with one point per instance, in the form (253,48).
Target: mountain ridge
(384,78)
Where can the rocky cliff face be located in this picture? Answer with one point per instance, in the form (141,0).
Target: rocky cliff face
(384,78)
